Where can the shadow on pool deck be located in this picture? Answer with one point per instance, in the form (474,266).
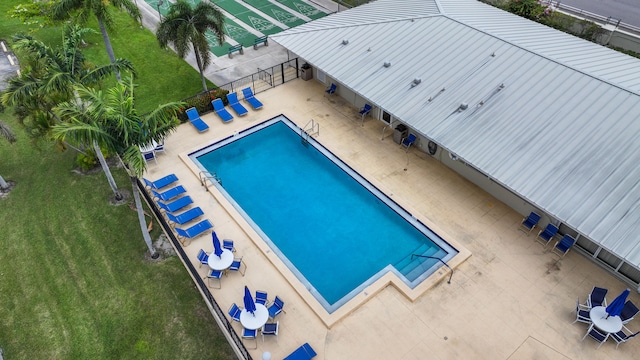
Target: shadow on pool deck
(509,300)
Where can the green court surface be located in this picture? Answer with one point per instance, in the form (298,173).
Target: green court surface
(276,12)
(248,17)
(242,13)
(214,47)
(238,33)
(164,8)
(303,8)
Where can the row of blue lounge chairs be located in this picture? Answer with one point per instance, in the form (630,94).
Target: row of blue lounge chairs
(166,200)
(221,111)
(547,234)
(171,201)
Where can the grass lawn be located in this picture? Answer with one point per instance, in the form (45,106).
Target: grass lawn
(74,282)
(162,75)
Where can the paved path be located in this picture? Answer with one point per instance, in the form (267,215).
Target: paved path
(7,70)
(628,11)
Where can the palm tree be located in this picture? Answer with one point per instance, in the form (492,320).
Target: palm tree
(48,78)
(111,120)
(184,26)
(102,10)
(7,134)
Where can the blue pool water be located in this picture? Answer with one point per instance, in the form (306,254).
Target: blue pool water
(334,230)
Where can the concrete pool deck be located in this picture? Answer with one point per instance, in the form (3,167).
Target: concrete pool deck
(509,300)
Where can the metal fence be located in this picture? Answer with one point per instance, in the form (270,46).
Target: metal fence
(217,311)
(260,81)
(598,19)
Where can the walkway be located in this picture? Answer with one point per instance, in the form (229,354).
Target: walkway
(509,300)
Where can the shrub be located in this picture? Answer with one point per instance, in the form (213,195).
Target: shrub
(530,9)
(86,161)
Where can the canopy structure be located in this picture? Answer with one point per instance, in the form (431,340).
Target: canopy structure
(550,117)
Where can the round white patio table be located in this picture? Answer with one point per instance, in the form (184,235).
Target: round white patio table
(611,324)
(255,320)
(222,262)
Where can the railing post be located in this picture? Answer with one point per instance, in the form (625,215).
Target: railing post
(297,69)
(282,71)
(436,258)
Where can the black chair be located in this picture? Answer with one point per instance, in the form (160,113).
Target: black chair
(262,297)
(582,313)
(270,329)
(276,308)
(234,312)
(596,298)
(628,312)
(623,335)
(544,236)
(597,335)
(332,89)
(529,223)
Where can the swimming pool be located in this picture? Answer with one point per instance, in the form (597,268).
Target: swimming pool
(332,228)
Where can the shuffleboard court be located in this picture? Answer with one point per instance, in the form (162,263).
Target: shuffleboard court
(238,33)
(303,8)
(249,17)
(214,47)
(276,12)
(164,8)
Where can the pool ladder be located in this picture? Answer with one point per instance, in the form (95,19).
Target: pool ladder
(206,175)
(311,129)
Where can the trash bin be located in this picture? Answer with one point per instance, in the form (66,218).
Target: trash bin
(399,133)
(306,72)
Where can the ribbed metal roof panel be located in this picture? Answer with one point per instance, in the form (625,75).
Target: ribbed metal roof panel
(577,53)
(542,126)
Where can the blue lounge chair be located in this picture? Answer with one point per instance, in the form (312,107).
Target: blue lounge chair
(162,182)
(408,141)
(563,246)
(169,194)
(304,352)
(185,217)
(248,97)
(366,109)
(218,107)
(235,105)
(332,89)
(193,231)
(176,204)
(545,236)
(194,118)
(529,222)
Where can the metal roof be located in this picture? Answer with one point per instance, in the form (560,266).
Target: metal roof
(550,116)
